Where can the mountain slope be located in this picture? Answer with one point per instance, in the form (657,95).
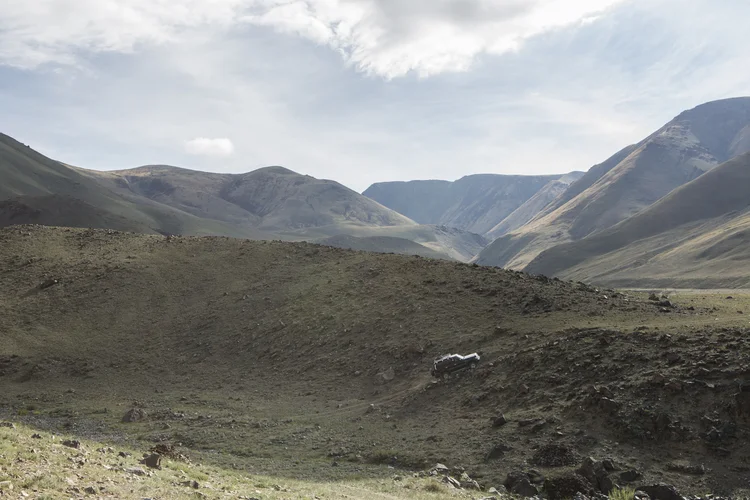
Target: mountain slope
(271,199)
(475,203)
(35,180)
(697,234)
(633,179)
(269,203)
(381,244)
(551,192)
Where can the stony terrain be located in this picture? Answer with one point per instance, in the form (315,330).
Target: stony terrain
(310,363)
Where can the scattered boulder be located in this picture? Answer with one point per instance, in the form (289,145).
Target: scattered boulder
(440,469)
(48,283)
(136,471)
(661,492)
(596,474)
(450,481)
(499,421)
(36,436)
(555,455)
(152,461)
(134,415)
(629,476)
(72,443)
(567,486)
(524,488)
(693,470)
(512,478)
(497,451)
(8,425)
(387,375)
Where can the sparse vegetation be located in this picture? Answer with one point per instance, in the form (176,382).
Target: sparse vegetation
(622,494)
(276,361)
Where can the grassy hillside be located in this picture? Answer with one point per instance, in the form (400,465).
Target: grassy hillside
(282,358)
(43,467)
(269,203)
(698,234)
(633,179)
(384,244)
(271,199)
(33,180)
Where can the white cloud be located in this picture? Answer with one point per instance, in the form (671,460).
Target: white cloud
(389,38)
(203,146)
(393,37)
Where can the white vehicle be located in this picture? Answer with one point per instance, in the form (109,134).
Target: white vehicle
(450,363)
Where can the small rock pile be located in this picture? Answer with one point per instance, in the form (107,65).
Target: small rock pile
(448,475)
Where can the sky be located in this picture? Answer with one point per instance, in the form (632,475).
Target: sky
(360,91)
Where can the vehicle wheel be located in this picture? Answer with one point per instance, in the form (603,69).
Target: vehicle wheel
(473,366)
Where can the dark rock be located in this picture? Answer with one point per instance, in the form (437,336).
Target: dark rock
(90,490)
(566,486)
(609,405)
(134,415)
(36,436)
(630,475)
(8,425)
(524,488)
(123,454)
(72,443)
(497,451)
(514,477)
(152,461)
(661,492)
(499,421)
(605,484)
(673,358)
(653,297)
(48,283)
(554,455)
(535,476)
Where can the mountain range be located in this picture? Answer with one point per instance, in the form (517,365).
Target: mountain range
(268,203)
(669,210)
(636,177)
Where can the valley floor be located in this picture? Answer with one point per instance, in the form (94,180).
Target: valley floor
(310,365)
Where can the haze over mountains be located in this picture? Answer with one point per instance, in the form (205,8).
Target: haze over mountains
(645,215)
(476,203)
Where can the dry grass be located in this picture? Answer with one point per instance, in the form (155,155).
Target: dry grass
(45,468)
